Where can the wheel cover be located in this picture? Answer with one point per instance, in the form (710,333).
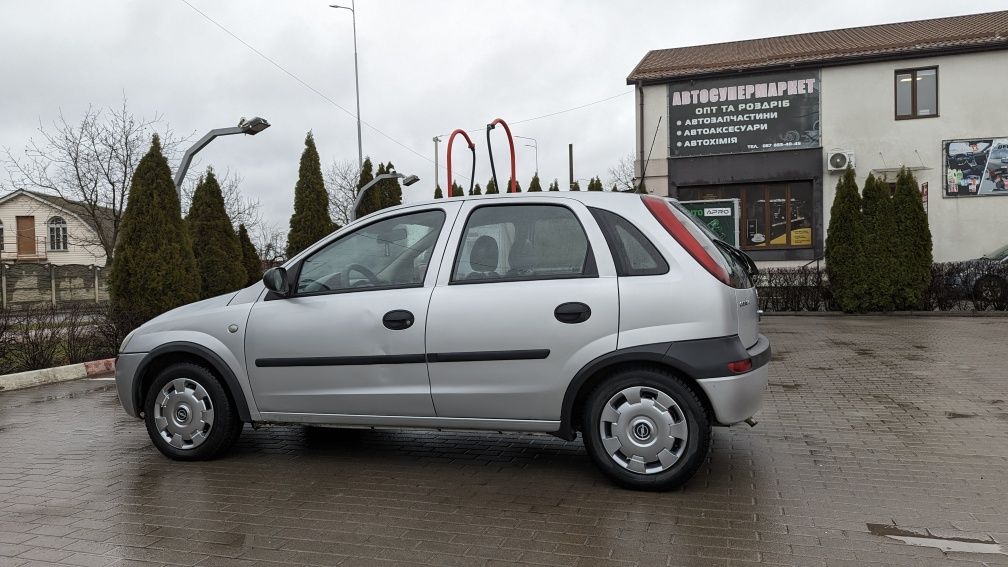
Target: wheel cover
(643,430)
(183,414)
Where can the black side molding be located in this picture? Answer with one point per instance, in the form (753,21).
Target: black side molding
(488,355)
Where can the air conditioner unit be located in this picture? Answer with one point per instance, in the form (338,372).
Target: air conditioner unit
(839,160)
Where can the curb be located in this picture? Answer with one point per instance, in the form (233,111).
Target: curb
(57,374)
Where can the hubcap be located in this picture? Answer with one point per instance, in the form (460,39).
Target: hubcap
(183,413)
(643,430)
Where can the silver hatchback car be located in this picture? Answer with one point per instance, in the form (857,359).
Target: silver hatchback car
(611,314)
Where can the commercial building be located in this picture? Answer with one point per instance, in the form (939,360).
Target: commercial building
(772,122)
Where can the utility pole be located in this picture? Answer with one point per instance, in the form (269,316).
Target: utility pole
(570,159)
(437,140)
(353,12)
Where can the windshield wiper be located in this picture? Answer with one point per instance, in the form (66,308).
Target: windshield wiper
(750,267)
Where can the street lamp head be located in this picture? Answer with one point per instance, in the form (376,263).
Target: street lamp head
(410,180)
(338,7)
(254,126)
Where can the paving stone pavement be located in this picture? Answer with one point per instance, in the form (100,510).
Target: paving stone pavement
(869,420)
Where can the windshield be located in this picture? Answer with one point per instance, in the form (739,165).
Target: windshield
(998,254)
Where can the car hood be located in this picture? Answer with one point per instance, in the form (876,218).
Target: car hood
(190,308)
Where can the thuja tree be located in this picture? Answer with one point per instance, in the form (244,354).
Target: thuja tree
(911,248)
(555,186)
(391,190)
(575,186)
(310,221)
(251,263)
(491,187)
(845,245)
(215,244)
(438,194)
(155,269)
(457,190)
(880,233)
(476,190)
(534,185)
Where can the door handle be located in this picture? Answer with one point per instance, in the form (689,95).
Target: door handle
(571,313)
(398,320)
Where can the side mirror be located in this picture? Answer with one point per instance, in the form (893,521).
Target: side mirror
(275,280)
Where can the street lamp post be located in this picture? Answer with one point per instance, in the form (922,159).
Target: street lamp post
(250,127)
(353,16)
(407,181)
(534,145)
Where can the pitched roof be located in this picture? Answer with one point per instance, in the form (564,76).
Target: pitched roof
(104,214)
(834,47)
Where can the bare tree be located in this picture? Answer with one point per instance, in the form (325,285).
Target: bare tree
(341,184)
(241,208)
(91,164)
(270,242)
(622,175)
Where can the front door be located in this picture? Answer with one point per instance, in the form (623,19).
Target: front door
(526,297)
(350,339)
(26,236)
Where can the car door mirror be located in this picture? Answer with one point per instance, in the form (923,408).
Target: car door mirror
(275,280)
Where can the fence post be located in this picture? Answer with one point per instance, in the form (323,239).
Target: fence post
(52,282)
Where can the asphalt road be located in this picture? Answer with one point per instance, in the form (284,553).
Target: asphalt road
(876,431)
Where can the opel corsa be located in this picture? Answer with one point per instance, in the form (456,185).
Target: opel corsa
(613,315)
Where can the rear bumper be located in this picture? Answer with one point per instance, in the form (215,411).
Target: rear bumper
(738,397)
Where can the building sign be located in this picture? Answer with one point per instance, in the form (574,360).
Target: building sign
(975,167)
(720,216)
(769,112)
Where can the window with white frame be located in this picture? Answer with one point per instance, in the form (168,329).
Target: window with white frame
(57,234)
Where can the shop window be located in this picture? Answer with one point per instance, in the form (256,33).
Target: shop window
(917,93)
(774,215)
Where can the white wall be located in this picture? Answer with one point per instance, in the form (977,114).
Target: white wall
(79,235)
(655,107)
(857,114)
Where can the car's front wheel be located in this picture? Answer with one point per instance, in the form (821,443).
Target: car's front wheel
(188,414)
(645,429)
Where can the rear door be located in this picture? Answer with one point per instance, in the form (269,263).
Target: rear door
(526,296)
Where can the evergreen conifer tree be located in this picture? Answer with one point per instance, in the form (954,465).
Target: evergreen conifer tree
(366,176)
(576,186)
(310,221)
(437,192)
(911,248)
(155,269)
(555,186)
(476,190)
(491,187)
(215,244)
(251,263)
(845,245)
(879,226)
(457,190)
(534,185)
(392,192)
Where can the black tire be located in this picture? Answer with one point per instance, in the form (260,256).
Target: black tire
(223,431)
(697,443)
(990,291)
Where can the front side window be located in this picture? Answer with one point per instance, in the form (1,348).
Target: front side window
(522,242)
(57,234)
(390,253)
(917,93)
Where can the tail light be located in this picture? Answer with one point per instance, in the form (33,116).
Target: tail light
(740,366)
(688,236)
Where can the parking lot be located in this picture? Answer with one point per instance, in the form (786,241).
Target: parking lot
(874,428)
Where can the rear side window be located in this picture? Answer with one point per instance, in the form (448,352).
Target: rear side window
(522,242)
(633,252)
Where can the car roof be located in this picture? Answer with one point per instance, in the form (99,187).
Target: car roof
(589,198)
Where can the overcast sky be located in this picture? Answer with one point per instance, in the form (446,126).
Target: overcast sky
(425,69)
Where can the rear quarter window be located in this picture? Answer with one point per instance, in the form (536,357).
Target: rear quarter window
(632,252)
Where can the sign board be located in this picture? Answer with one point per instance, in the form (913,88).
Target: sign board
(758,113)
(720,216)
(975,167)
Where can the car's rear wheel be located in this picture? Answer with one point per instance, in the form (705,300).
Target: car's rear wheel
(188,414)
(990,291)
(645,429)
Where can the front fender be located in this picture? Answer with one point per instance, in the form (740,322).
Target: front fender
(222,358)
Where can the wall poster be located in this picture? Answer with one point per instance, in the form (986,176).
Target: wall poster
(975,167)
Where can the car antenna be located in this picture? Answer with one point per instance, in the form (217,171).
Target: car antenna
(644,167)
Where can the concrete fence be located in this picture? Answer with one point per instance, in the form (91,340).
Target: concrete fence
(25,284)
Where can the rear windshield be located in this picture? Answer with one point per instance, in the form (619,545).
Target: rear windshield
(741,267)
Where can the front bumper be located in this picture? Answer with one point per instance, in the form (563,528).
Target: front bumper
(126,367)
(738,397)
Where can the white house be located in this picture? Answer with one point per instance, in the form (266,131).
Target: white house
(41,228)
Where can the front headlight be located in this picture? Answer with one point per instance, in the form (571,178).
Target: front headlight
(126,341)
